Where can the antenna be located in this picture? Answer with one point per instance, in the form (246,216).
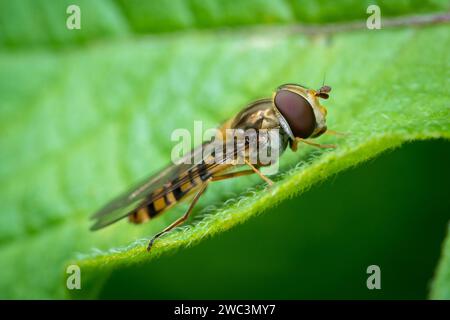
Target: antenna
(324,90)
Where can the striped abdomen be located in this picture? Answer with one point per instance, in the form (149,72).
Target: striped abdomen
(173,192)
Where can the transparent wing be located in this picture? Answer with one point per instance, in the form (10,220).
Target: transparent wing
(126,203)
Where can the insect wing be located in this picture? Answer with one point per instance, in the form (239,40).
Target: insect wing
(129,201)
(142,193)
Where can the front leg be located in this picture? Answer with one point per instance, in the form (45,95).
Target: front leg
(294,144)
(269,182)
(336,133)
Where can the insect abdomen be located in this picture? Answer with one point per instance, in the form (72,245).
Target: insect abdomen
(170,194)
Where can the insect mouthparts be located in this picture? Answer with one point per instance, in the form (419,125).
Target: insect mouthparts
(323,92)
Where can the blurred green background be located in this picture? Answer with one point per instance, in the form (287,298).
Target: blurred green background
(86,113)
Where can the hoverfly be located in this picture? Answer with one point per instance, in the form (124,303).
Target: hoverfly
(293,109)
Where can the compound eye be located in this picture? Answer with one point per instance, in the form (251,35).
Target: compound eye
(297,111)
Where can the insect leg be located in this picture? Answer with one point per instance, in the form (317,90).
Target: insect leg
(312,144)
(336,133)
(270,182)
(182,218)
(232,175)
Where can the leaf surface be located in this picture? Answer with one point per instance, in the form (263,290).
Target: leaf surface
(84,116)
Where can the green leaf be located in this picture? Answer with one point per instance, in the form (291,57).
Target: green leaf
(440,287)
(82,123)
(41,23)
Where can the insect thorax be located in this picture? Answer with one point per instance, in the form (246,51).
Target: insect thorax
(258,126)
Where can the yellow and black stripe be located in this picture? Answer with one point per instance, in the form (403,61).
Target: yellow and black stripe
(171,193)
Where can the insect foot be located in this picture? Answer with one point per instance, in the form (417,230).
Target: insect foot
(150,244)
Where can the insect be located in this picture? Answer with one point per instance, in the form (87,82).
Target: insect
(294,110)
